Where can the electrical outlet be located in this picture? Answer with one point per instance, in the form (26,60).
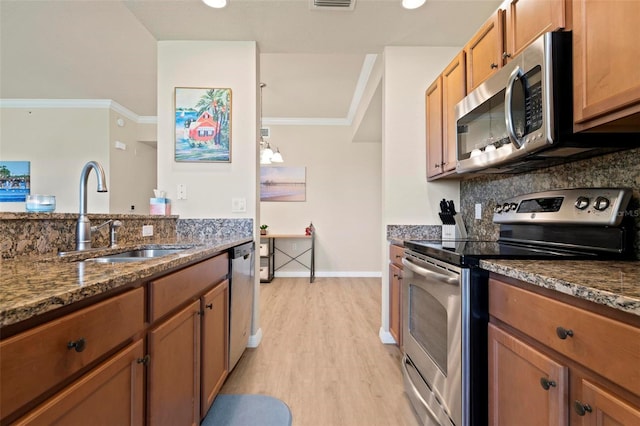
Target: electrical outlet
(478,211)
(182,191)
(238,205)
(147,230)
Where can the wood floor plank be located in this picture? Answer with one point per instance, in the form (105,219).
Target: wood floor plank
(320,354)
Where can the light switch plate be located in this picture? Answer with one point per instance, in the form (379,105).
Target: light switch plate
(478,211)
(147,230)
(182,191)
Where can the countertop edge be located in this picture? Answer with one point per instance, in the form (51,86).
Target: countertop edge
(524,271)
(109,277)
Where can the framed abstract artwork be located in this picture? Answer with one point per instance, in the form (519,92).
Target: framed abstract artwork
(202,124)
(15,181)
(283,183)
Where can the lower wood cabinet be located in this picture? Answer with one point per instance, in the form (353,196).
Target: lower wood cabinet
(524,380)
(215,343)
(395,292)
(554,363)
(88,366)
(111,394)
(174,363)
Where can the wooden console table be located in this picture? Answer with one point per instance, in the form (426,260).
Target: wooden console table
(272,244)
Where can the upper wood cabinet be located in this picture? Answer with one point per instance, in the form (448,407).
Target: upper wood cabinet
(526,20)
(484,51)
(441,99)
(606,64)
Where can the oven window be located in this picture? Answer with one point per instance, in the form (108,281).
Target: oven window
(428,325)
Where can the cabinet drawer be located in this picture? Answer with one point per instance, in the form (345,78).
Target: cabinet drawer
(170,291)
(606,346)
(38,359)
(111,394)
(395,254)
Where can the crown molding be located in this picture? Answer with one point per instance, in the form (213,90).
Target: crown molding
(365,73)
(78,104)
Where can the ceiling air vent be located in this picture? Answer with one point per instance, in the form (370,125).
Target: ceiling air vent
(332,4)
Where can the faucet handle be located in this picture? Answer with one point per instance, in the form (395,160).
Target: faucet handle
(113,235)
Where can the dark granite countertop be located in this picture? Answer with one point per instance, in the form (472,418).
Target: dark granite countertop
(34,285)
(611,283)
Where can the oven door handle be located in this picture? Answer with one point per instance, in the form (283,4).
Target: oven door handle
(426,271)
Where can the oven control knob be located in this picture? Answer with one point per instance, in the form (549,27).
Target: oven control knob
(497,208)
(513,206)
(506,207)
(601,203)
(582,203)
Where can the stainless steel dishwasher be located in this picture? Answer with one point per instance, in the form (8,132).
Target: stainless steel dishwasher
(241,289)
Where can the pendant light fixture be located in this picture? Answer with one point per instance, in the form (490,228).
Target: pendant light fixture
(216,4)
(267,156)
(412,4)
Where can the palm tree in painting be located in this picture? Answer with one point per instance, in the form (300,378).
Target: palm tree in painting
(217,102)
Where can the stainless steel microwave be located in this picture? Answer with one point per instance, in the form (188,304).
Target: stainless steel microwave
(521,118)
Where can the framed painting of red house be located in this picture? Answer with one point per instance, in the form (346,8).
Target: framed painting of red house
(203,124)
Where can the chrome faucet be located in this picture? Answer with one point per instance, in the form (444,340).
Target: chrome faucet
(83,229)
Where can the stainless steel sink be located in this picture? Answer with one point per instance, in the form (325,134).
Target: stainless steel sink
(134,255)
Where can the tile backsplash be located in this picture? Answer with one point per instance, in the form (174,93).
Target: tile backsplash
(620,169)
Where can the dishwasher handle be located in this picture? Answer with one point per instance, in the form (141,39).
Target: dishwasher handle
(431,272)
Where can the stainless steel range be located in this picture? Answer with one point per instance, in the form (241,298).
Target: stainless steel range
(445,292)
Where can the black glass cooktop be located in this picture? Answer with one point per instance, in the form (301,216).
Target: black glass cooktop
(469,253)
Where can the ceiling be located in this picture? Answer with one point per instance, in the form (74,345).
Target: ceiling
(311,60)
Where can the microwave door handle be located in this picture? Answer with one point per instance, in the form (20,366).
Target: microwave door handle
(508,96)
(425,271)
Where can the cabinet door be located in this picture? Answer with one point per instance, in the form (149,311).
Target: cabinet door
(174,369)
(606,59)
(598,407)
(453,90)
(518,376)
(215,343)
(111,394)
(484,51)
(395,303)
(433,101)
(529,19)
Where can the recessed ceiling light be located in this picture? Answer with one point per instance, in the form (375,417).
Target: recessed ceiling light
(412,4)
(218,4)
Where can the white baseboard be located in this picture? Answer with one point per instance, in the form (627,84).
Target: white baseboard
(255,339)
(329,274)
(386,337)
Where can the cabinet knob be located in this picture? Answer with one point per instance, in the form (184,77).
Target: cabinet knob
(581,409)
(506,55)
(78,345)
(144,360)
(546,383)
(494,66)
(209,306)
(563,333)
(437,166)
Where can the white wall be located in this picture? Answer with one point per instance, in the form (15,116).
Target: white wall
(133,171)
(342,200)
(407,197)
(57,142)
(210,186)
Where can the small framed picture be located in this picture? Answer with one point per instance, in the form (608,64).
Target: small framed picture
(203,125)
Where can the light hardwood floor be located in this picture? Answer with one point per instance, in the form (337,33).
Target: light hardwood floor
(320,354)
